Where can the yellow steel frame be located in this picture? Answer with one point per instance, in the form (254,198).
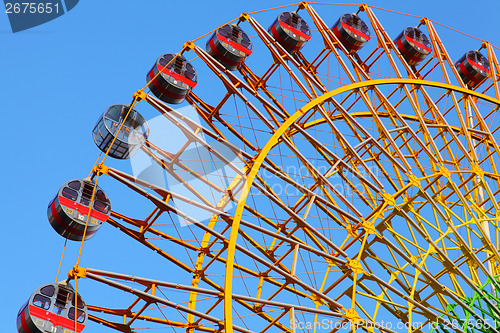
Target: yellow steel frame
(231,251)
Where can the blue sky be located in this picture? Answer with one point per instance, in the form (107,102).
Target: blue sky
(56,79)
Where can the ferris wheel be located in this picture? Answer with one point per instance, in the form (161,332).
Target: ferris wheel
(346,180)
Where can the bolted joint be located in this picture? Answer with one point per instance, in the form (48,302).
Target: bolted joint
(139,95)
(258,308)
(205,250)
(100,169)
(303,5)
(352,316)
(189,45)
(352,230)
(281,226)
(355,266)
(363,7)
(317,300)
(369,227)
(199,273)
(270,252)
(77,272)
(244,17)
(389,199)
(424,20)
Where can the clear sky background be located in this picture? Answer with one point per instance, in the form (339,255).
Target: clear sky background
(56,79)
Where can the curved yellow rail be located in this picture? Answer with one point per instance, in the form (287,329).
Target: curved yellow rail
(228,288)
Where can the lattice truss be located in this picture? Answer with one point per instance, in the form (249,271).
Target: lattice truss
(357,189)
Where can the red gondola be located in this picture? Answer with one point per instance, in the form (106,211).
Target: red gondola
(351,31)
(133,134)
(68,211)
(51,308)
(473,68)
(291,31)
(413,45)
(177,77)
(230,45)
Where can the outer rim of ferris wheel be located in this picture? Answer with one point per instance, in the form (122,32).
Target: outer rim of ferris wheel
(274,141)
